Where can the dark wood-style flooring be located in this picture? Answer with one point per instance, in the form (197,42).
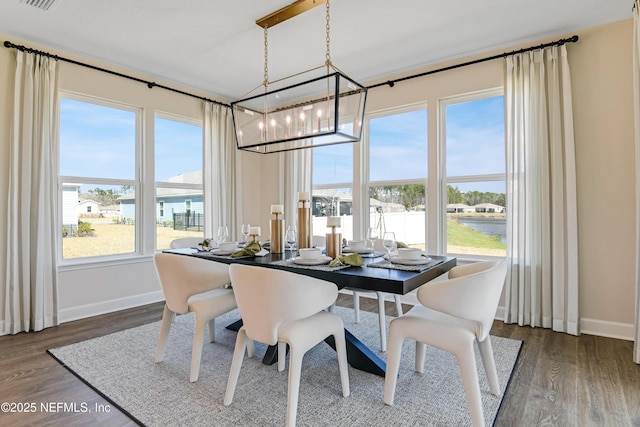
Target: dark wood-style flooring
(559,380)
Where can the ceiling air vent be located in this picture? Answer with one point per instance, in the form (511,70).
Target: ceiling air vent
(40,4)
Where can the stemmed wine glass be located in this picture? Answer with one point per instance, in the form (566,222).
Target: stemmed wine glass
(245,231)
(388,240)
(223,234)
(291,236)
(372,236)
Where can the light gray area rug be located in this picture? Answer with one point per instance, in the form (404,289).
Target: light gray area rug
(121,367)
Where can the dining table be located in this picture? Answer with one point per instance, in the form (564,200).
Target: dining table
(377,274)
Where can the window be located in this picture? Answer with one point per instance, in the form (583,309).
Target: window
(475,174)
(178,176)
(397,165)
(332,188)
(98,150)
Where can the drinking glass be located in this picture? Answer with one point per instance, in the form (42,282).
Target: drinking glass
(245,231)
(388,240)
(372,236)
(223,234)
(291,236)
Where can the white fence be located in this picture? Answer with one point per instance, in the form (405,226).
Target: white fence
(409,227)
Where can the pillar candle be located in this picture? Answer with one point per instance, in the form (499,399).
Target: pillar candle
(333,221)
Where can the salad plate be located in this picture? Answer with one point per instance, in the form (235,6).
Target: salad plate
(315,261)
(404,261)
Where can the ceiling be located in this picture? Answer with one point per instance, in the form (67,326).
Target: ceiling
(215,45)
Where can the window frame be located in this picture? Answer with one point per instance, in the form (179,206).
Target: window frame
(135,183)
(445,180)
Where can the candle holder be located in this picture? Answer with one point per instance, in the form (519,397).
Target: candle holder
(334,243)
(304,220)
(253,237)
(277,235)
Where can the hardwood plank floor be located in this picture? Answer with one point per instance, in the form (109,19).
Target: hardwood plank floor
(559,380)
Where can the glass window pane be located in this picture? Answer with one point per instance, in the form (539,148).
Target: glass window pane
(476,218)
(333,164)
(97,220)
(96,141)
(401,209)
(332,202)
(398,146)
(178,159)
(475,137)
(178,149)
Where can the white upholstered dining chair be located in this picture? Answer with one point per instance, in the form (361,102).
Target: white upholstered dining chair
(455,313)
(281,307)
(195,285)
(186,242)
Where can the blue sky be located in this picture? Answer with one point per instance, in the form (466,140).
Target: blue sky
(398,147)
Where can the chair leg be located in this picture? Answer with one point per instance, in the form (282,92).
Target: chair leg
(356,305)
(295,366)
(341,351)
(236,364)
(165,328)
(398,305)
(212,330)
(421,351)
(467,363)
(282,355)
(196,351)
(381,319)
(486,352)
(396,338)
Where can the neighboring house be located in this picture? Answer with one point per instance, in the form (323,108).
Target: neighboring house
(169,201)
(88,207)
(70,206)
(110,210)
(331,203)
(459,208)
(488,208)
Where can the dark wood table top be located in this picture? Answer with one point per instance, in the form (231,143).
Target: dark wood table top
(365,278)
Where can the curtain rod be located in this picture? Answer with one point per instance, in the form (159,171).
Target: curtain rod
(560,42)
(149,84)
(390,83)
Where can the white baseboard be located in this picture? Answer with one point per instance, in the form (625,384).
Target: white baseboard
(89,310)
(603,328)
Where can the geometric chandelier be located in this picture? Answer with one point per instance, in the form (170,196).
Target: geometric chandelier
(299,111)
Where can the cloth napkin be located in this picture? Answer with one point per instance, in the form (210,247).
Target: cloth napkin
(251,249)
(350,259)
(401,245)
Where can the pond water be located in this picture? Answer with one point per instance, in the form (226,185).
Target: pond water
(487,226)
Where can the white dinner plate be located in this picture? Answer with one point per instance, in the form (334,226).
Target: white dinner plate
(348,250)
(317,261)
(221,252)
(398,260)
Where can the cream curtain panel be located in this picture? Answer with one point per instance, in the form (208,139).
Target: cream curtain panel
(222,174)
(542,247)
(636,102)
(30,294)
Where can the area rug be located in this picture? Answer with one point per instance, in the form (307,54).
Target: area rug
(121,367)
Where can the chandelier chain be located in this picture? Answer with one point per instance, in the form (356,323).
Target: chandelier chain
(328,28)
(266,56)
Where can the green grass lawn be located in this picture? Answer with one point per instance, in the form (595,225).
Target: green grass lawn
(461,235)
